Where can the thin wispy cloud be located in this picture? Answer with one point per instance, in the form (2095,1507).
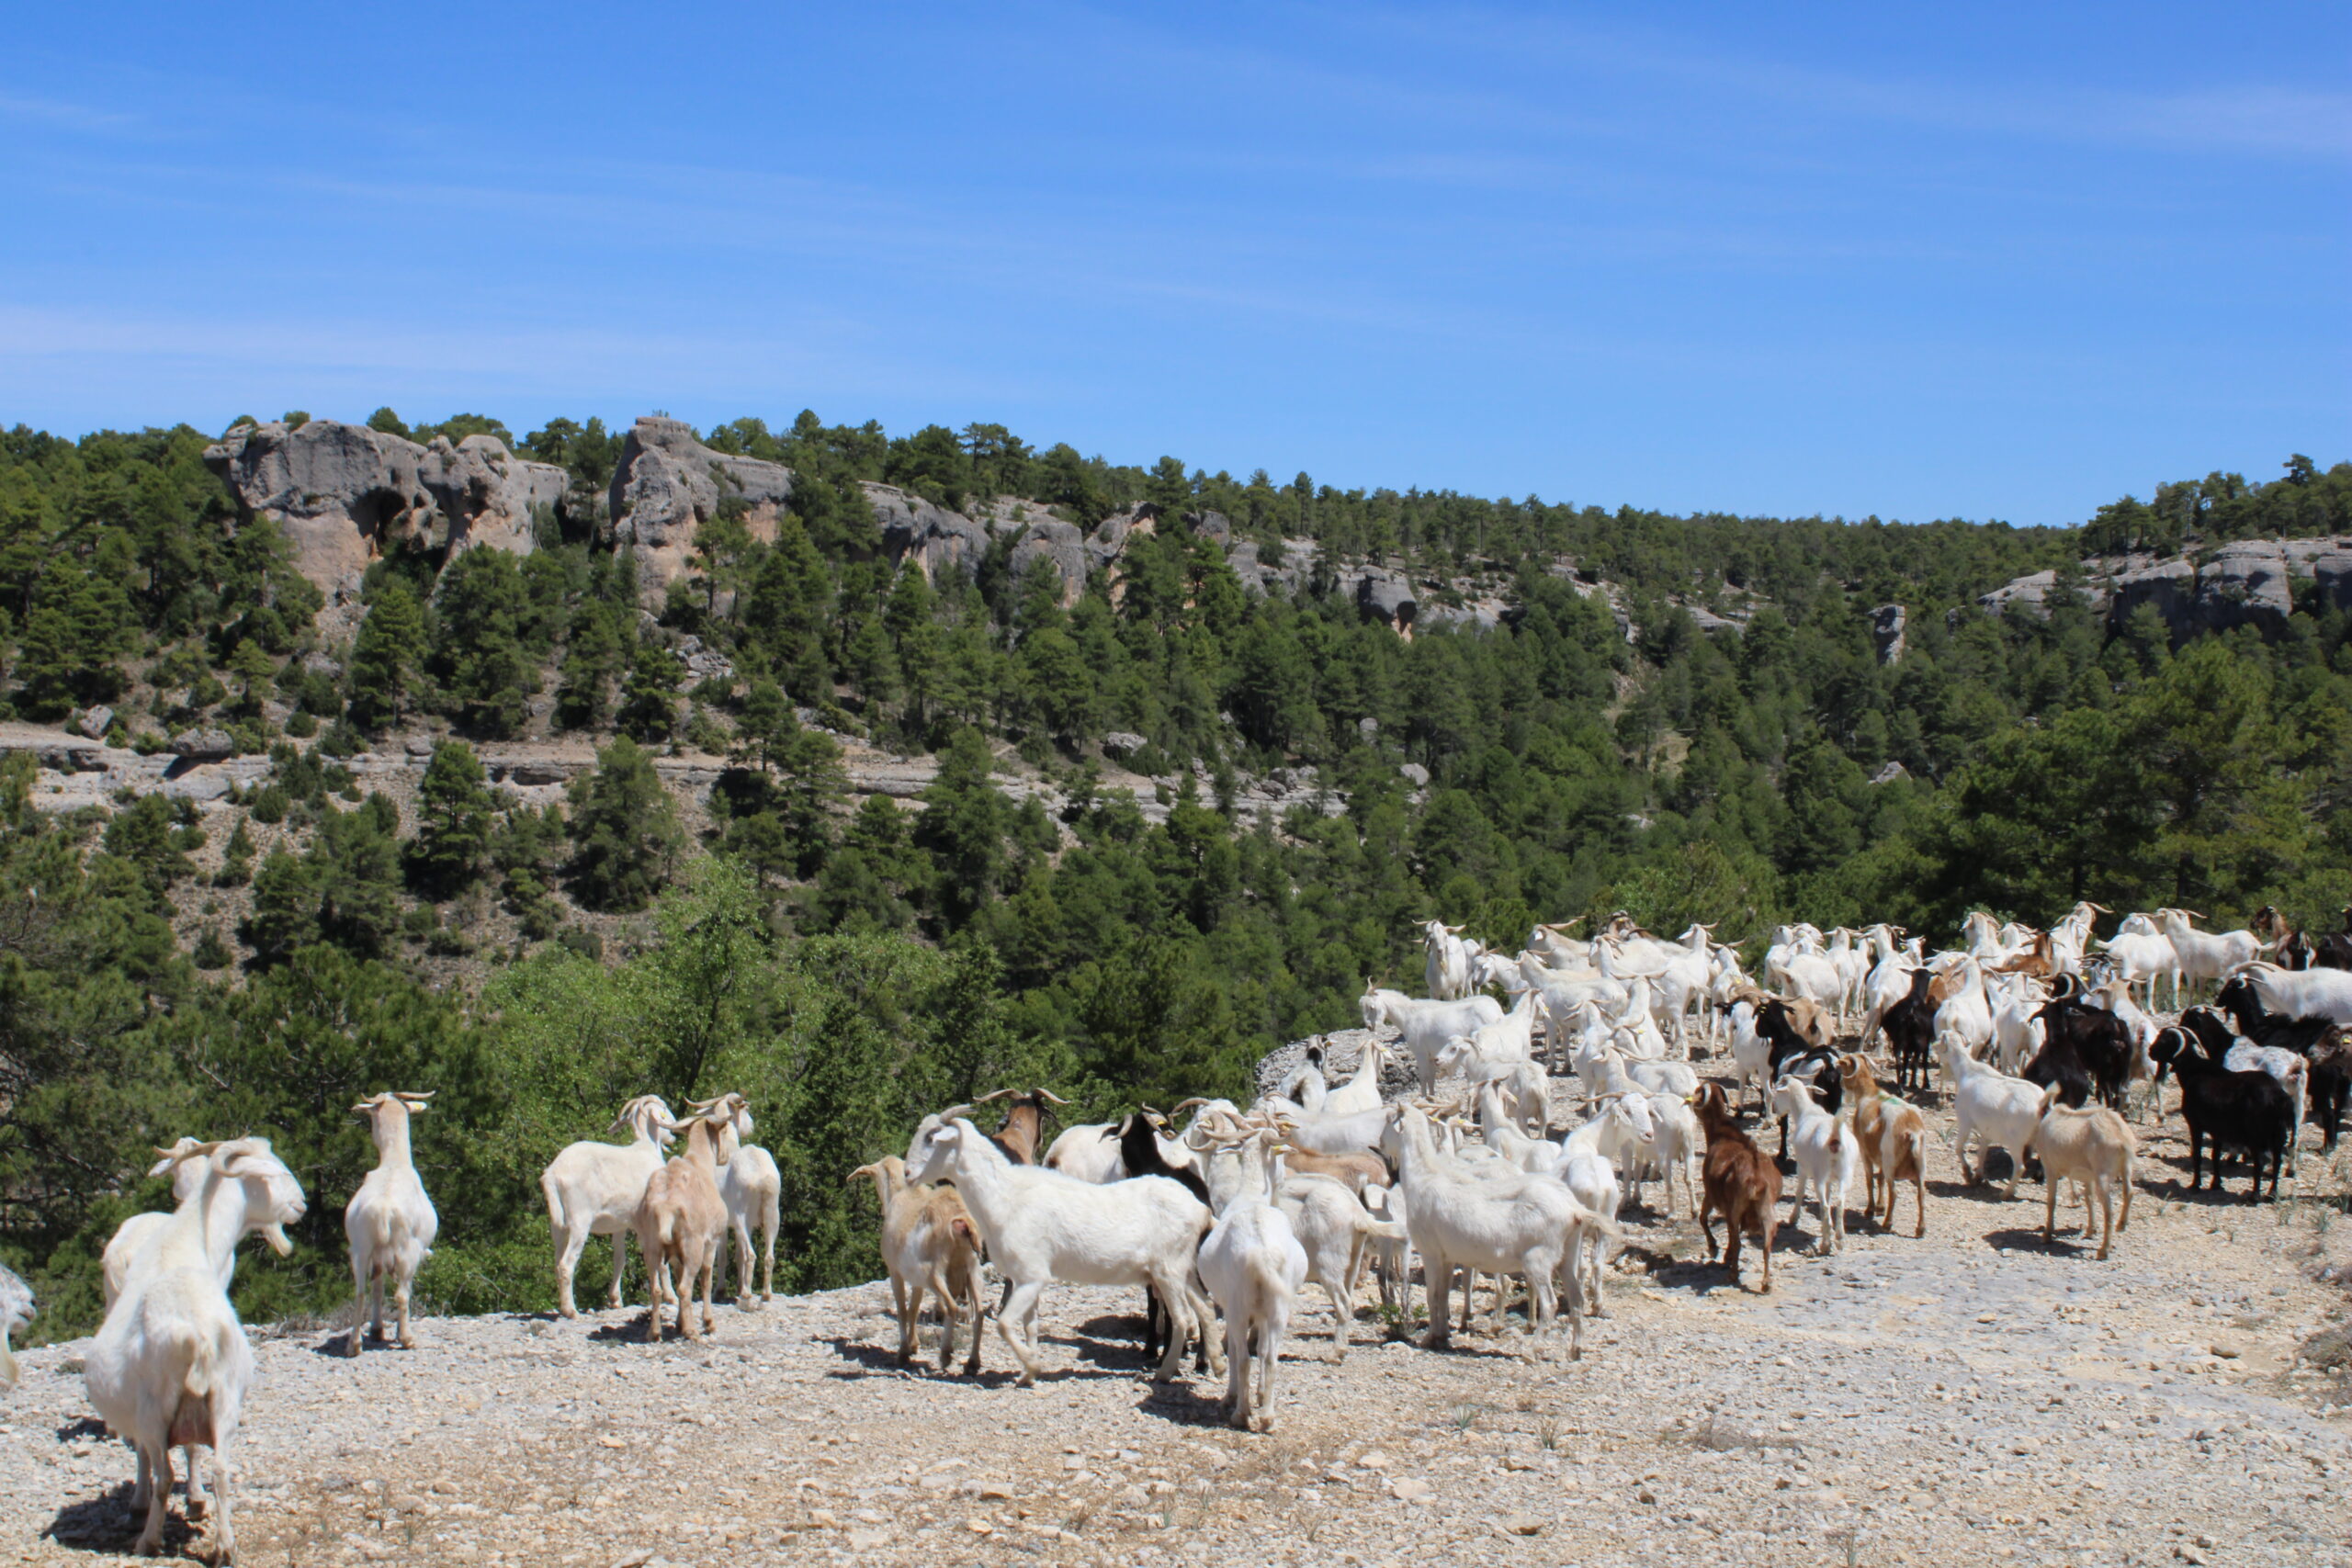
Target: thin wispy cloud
(63,116)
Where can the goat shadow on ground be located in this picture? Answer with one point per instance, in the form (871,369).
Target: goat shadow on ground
(104,1525)
(333,1345)
(2028,1239)
(1988,1192)
(882,1359)
(81,1426)
(1703,1277)
(2175,1190)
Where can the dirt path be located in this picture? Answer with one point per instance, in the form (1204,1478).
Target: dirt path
(1968,1398)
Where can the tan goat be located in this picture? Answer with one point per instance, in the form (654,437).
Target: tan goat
(928,1243)
(1893,1136)
(681,1223)
(2093,1146)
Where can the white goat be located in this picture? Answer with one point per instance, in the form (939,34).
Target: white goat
(1967,1010)
(271,1199)
(1675,1140)
(1334,1227)
(1987,1103)
(390,1222)
(1254,1267)
(2206,956)
(274,1199)
(753,1190)
(1446,967)
(15,1310)
(2145,958)
(2018,1029)
(1362,1091)
(2304,994)
(170,1366)
(1040,1225)
(1589,1160)
(1426,1024)
(1827,1158)
(1510,1222)
(593,1188)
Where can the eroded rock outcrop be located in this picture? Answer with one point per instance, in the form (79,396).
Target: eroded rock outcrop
(1886,632)
(668,484)
(935,538)
(1059,544)
(344,495)
(2245,584)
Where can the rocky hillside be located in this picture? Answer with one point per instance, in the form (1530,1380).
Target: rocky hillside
(2246,583)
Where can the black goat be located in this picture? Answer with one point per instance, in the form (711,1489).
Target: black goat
(2085,1051)
(2316,1040)
(2244,1111)
(2334,950)
(1910,1025)
(1138,1133)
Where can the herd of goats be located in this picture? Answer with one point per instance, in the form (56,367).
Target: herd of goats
(2048,1042)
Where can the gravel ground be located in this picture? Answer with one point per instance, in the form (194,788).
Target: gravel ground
(1972,1396)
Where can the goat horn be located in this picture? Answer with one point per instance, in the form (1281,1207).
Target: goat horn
(861,1170)
(997,1095)
(953,1111)
(1184,1105)
(1050,1094)
(704,1104)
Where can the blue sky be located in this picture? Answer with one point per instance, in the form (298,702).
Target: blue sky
(1981,261)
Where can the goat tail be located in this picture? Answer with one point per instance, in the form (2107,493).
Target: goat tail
(192,1346)
(1270,1285)
(1380,1230)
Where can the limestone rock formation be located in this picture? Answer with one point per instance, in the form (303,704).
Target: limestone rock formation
(668,484)
(2334,571)
(935,538)
(1482,614)
(345,493)
(1289,574)
(2169,585)
(1052,540)
(2245,584)
(1387,595)
(1109,540)
(1886,632)
(1213,526)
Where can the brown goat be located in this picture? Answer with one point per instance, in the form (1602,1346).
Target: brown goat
(1811,1020)
(928,1243)
(2035,962)
(680,1222)
(1023,1136)
(1737,1180)
(1893,1136)
(1353,1171)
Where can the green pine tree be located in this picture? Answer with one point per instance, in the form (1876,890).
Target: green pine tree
(625,831)
(454,814)
(386,657)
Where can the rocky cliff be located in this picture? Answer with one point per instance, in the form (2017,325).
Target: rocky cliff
(346,494)
(2244,582)
(668,484)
